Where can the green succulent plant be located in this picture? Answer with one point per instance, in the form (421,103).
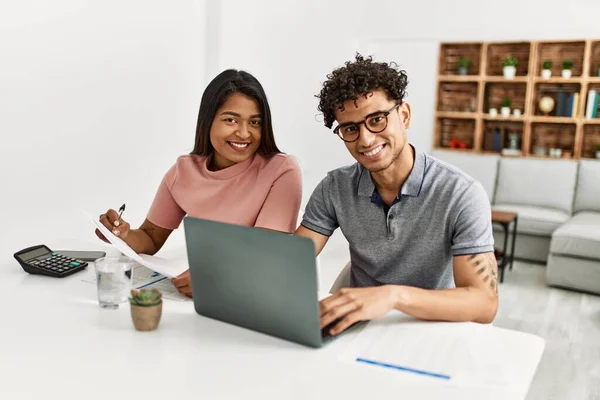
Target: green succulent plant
(464,62)
(510,61)
(506,102)
(567,64)
(547,64)
(145,297)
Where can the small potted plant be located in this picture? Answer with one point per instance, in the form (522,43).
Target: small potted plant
(463,66)
(547,69)
(598,151)
(146,308)
(567,69)
(509,66)
(505,110)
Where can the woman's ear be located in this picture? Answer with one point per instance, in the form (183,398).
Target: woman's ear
(405,114)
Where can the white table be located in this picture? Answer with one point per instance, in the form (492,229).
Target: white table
(55,341)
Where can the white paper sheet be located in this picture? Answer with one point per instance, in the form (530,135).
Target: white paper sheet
(456,353)
(143,277)
(169,268)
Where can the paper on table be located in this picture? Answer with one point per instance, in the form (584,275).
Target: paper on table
(143,277)
(441,351)
(170,268)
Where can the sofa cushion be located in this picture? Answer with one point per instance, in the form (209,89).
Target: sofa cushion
(537,182)
(535,220)
(579,237)
(481,167)
(587,193)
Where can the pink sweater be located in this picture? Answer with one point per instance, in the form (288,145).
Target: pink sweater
(258,192)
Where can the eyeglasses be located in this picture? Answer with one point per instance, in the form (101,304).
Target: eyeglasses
(375,123)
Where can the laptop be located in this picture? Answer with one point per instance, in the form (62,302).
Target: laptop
(254,278)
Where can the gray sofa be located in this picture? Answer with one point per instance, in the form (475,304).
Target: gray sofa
(558,203)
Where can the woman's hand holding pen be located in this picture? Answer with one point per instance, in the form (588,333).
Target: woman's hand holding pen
(112,221)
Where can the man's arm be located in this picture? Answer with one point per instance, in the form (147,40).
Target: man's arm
(319,220)
(475,297)
(319,240)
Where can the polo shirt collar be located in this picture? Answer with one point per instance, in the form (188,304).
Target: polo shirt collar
(412,186)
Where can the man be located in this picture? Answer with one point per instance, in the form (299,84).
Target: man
(419,230)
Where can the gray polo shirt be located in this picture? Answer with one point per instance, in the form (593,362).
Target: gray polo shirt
(440,212)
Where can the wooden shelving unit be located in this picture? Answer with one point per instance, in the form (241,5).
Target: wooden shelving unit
(462,119)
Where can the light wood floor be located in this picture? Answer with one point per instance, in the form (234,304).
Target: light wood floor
(569,321)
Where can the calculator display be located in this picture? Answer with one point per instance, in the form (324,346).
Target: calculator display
(33,253)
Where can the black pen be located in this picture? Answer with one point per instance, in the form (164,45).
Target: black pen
(121,211)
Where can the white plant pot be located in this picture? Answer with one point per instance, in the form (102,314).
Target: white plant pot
(493,112)
(517,112)
(509,72)
(598,155)
(566,73)
(546,73)
(505,111)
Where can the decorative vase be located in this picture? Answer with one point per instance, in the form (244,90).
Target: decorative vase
(555,153)
(509,72)
(493,112)
(513,139)
(566,73)
(146,318)
(546,73)
(505,111)
(516,112)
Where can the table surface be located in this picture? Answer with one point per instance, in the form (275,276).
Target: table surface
(503,216)
(56,340)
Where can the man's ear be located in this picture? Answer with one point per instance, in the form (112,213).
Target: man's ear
(405,114)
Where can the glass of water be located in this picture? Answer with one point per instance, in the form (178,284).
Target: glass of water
(113,277)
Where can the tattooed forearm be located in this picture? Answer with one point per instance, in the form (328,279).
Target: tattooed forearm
(486,268)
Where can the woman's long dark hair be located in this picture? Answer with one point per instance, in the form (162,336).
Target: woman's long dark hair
(218,90)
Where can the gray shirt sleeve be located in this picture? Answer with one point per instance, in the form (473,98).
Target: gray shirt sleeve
(319,215)
(472,232)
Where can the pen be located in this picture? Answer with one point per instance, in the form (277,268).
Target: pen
(121,211)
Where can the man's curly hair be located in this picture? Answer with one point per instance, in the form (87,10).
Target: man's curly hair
(360,78)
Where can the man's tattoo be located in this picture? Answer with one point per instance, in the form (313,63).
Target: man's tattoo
(487,269)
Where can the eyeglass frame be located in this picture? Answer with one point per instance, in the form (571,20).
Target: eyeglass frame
(336,130)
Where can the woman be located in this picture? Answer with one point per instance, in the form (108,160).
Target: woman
(235,174)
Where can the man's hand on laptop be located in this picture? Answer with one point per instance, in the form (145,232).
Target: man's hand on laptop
(351,305)
(183,284)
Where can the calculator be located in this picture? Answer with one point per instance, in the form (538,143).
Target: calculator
(43,261)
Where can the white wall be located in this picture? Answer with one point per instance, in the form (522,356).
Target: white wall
(97,99)
(477,20)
